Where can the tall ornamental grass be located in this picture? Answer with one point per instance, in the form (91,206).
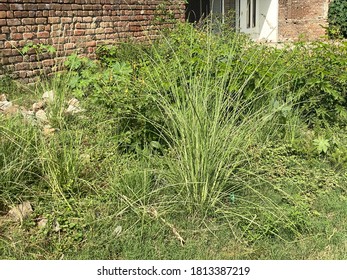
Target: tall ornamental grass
(207,121)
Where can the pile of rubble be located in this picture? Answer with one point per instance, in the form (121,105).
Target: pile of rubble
(37,114)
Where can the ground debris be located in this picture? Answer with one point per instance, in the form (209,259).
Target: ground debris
(42,222)
(38,106)
(48,130)
(74,107)
(154,213)
(7,107)
(48,96)
(41,117)
(20,212)
(37,114)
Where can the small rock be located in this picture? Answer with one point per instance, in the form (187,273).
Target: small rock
(48,96)
(38,105)
(20,212)
(3,97)
(5,105)
(28,115)
(10,110)
(41,117)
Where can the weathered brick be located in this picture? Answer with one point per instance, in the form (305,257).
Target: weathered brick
(54,19)
(28,36)
(79,32)
(30,7)
(43,34)
(28,21)
(69,46)
(20,14)
(87,19)
(41,20)
(17,36)
(21,66)
(5,29)
(48,62)
(12,22)
(91,44)
(66,20)
(22,74)
(15,59)
(9,14)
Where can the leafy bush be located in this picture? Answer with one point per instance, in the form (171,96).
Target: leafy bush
(337,18)
(129,52)
(102,86)
(319,82)
(112,88)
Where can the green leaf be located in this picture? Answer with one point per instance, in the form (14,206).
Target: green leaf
(321,144)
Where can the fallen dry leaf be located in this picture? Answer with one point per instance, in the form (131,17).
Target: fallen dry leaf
(117,230)
(154,213)
(74,107)
(48,130)
(42,222)
(175,232)
(20,212)
(56,226)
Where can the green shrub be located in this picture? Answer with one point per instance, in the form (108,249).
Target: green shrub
(113,88)
(319,82)
(337,18)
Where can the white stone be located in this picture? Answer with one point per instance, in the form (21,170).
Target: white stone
(41,117)
(48,96)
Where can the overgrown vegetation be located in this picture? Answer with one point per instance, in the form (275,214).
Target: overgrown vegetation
(200,145)
(337,18)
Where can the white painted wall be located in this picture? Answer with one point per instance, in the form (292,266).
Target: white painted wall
(268,20)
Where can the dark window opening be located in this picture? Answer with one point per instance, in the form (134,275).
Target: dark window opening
(254,13)
(248,17)
(197,10)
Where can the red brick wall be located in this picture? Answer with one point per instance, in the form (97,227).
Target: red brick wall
(302,18)
(75,25)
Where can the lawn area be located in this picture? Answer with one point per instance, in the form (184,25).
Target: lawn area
(196,146)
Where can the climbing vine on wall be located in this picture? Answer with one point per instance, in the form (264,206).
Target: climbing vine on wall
(337,18)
